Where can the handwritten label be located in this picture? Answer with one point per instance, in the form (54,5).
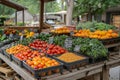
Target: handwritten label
(21,38)
(11,36)
(51,40)
(77,48)
(36,35)
(71,33)
(68,43)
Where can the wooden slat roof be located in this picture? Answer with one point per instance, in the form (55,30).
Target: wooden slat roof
(12,5)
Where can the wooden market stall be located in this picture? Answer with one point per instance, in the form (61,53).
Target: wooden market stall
(18,7)
(15,6)
(95,71)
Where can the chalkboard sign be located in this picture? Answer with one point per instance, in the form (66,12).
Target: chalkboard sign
(21,38)
(51,40)
(77,48)
(68,43)
(11,36)
(71,33)
(36,35)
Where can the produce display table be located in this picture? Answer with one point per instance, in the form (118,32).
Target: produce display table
(84,71)
(23,73)
(112,45)
(88,70)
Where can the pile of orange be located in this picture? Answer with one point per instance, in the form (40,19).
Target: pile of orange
(61,30)
(97,34)
(41,62)
(17,49)
(9,31)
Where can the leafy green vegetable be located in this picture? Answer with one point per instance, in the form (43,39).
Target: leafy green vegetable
(3,37)
(44,37)
(59,40)
(95,26)
(26,41)
(90,47)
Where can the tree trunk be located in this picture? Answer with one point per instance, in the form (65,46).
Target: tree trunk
(78,19)
(89,16)
(70,4)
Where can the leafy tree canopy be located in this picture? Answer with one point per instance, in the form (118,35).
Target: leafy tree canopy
(93,6)
(32,5)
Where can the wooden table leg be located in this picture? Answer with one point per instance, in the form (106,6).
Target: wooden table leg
(0,61)
(97,76)
(105,73)
(119,50)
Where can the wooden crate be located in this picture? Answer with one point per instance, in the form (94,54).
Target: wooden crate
(6,73)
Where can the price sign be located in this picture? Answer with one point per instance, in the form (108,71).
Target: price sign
(21,38)
(71,33)
(50,40)
(77,48)
(11,36)
(68,43)
(36,35)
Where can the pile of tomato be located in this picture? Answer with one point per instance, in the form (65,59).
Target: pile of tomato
(50,49)
(28,55)
(55,50)
(38,44)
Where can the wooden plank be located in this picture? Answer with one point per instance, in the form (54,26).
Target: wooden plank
(112,45)
(113,62)
(97,76)
(105,73)
(23,73)
(6,72)
(119,50)
(94,71)
(79,74)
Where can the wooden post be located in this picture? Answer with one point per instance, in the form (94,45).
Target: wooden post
(41,15)
(119,50)
(23,17)
(97,76)
(105,73)
(16,18)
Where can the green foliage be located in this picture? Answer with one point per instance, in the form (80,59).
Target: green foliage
(4,10)
(32,5)
(95,26)
(90,47)
(86,25)
(44,37)
(2,38)
(26,41)
(93,6)
(20,24)
(59,40)
(103,26)
(52,7)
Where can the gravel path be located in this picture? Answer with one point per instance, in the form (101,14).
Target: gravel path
(115,73)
